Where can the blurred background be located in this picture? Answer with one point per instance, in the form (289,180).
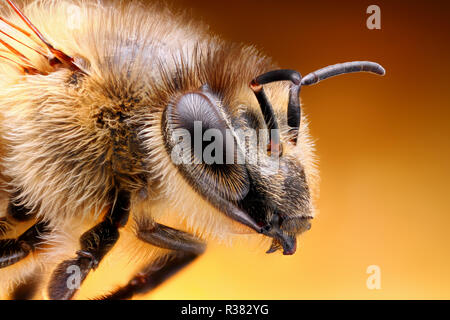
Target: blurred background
(383,145)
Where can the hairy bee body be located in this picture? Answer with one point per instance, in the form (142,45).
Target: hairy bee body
(69,139)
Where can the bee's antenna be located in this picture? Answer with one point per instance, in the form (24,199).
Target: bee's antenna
(342,68)
(264,103)
(294,112)
(268,113)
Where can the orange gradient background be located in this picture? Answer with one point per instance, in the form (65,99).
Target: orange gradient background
(383,145)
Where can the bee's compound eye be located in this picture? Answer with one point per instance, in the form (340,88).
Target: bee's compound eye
(203,146)
(196,116)
(193,111)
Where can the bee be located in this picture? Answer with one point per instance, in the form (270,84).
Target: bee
(93,97)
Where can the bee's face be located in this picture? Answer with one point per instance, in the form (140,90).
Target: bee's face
(225,159)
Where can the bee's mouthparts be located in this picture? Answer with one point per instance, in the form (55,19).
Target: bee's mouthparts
(281,239)
(288,243)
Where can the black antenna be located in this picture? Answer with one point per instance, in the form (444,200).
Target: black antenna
(342,68)
(294,110)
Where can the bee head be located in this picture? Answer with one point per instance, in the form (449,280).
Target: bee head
(253,176)
(238,166)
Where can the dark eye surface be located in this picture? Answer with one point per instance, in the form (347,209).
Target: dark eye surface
(200,136)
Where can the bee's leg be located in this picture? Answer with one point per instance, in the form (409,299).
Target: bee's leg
(5,226)
(27,289)
(19,213)
(95,244)
(185,248)
(14,250)
(14,214)
(149,278)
